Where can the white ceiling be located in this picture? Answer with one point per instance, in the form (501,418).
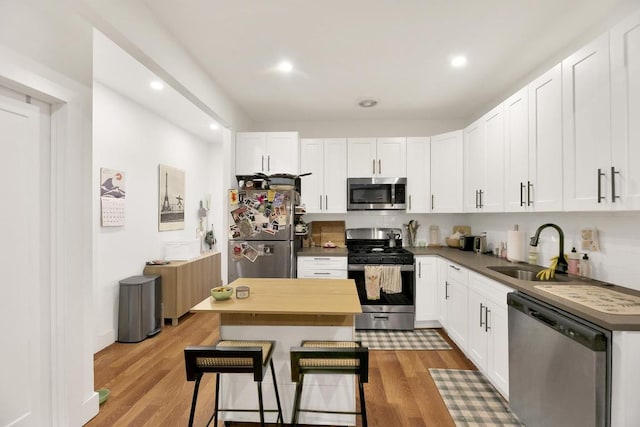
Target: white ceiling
(116,69)
(397,51)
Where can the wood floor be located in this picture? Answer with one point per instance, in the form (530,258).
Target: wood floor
(148,385)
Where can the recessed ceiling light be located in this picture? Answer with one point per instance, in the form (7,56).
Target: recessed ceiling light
(459,61)
(367,102)
(156,85)
(285,66)
(214,126)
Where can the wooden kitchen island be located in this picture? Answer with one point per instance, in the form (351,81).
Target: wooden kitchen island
(288,311)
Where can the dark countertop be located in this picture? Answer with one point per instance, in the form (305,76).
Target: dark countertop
(479,264)
(319,251)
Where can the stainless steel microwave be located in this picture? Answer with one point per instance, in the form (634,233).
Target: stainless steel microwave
(376,193)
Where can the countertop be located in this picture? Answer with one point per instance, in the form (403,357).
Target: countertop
(320,251)
(289,296)
(479,264)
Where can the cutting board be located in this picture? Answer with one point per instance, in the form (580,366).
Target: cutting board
(328,231)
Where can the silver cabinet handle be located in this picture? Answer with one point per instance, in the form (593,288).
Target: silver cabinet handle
(321,273)
(420,270)
(379,166)
(454,267)
(321,202)
(529,191)
(613,184)
(486,319)
(476,199)
(321,259)
(521,193)
(480,192)
(600,175)
(326,202)
(446,290)
(269,163)
(262,167)
(409,201)
(374,166)
(432,202)
(481,307)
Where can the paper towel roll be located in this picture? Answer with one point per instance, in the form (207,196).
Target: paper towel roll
(515,245)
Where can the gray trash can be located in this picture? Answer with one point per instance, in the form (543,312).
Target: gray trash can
(140,308)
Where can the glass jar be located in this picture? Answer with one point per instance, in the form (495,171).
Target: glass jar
(434,235)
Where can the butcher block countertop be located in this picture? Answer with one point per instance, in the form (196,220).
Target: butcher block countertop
(479,264)
(289,297)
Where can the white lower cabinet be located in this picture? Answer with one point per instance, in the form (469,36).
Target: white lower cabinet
(322,267)
(488,339)
(426,282)
(455,295)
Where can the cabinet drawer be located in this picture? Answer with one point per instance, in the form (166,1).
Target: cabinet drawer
(490,289)
(457,273)
(322,263)
(322,274)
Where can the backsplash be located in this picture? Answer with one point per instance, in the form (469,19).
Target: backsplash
(618,260)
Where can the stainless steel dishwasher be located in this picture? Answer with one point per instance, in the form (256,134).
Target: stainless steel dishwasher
(559,366)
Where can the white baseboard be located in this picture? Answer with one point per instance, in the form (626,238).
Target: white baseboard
(105,339)
(88,410)
(427,324)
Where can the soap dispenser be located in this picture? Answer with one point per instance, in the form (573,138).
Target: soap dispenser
(585,266)
(574,261)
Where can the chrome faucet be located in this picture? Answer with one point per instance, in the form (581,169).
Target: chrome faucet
(562,265)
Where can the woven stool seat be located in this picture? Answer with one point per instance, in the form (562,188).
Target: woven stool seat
(329,357)
(231,356)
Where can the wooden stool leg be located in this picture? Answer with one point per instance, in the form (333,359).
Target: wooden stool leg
(363,406)
(296,401)
(260,403)
(193,401)
(215,410)
(275,387)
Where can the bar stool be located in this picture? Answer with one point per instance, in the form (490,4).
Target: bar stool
(329,357)
(237,357)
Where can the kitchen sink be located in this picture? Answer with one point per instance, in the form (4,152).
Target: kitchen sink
(527,272)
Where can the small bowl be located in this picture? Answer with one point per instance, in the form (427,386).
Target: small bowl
(103,395)
(221,293)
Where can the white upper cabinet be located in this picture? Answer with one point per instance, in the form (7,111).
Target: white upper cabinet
(446,172)
(625,113)
(266,152)
(325,190)
(484,163)
(533,145)
(418,177)
(377,157)
(587,127)
(516,153)
(544,192)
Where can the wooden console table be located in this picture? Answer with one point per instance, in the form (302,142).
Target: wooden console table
(186,283)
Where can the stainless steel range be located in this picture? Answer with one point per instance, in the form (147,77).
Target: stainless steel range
(383,247)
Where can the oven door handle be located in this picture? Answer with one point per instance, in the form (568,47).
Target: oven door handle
(360,267)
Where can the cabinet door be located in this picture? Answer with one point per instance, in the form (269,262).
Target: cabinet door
(477,339)
(545,141)
(492,197)
(446,172)
(281,152)
(516,158)
(586,123)
(498,347)
(335,176)
(426,284)
(418,175)
(457,313)
(361,157)
(312,160)
(250,153)
(625,109)
(391,156)
(473,165)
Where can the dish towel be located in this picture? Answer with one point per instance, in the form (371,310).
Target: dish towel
(390,279)
(372,275)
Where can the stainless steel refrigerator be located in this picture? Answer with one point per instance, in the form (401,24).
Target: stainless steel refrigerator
(262,241)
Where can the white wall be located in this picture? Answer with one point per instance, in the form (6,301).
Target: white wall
(128,137)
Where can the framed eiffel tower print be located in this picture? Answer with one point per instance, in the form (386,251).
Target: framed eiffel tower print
(170,198)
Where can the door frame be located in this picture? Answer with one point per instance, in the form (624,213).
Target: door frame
(72,398)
